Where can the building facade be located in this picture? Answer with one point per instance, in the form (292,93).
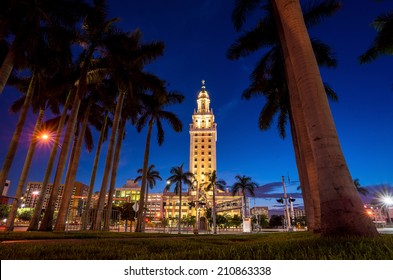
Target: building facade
(203,138)
(34,190)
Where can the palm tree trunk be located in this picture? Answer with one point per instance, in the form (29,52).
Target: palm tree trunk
(303,177)
(145,210)
(25,170)
(108,163)
(33,226)
(47,221)
(69,186)
(214,211)
(341,207)
(6,68)
(116,160)
(180,206)
(93,175)
(304,161)
(139,223)
(9,158)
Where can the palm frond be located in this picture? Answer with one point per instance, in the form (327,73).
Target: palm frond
(243,8)
(317,11)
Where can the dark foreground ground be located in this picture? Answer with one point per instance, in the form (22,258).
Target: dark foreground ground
(133,246)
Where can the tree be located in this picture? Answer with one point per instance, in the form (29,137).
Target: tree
(151,177)
(383,42)
(276,221)
(26,23)
(213,184)
(341,207)
(244,184)
(127,213)
(126,58)
(153,113)
(178,178)
(269,78)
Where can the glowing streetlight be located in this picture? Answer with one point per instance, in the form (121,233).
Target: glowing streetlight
(387,200)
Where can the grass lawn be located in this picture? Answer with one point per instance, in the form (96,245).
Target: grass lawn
(144,246)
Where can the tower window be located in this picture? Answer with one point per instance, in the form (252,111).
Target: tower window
(196,140)
(203,140)
(210,159)
(203,167)
(210,153)
(209,147)
(196,153)
(195,166)
(203,159)
(195,159)
(210,140)
(203,153)
(196,147)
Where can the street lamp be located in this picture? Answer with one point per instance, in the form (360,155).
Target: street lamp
(387,201)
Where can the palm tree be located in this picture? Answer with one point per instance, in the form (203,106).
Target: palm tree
(45,97)
(116,160)
(26,23)
(341,207)
(69,184)
(101,139)
(213,184)
(383,42)
(178,178)
(269,79)
(153,113)
(151,177)
(126,56)
(96,28)
(244,184)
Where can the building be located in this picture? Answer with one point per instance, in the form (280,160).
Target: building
(34,190)
(203,154)
(130,193)
(203,138)
(259,210)
(4,200)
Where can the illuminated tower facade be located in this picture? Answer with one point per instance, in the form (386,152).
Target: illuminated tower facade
(203,138)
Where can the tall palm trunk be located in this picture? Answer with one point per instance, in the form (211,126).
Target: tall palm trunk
(25,170)
(108,162)
(303,178)
(47,221)
(304,160)
(139,224)
(214,211)
(116,160)
(341,207)
(69,186)
(93,175)
(6,69)
(35,219)
(180,206)
(17,133)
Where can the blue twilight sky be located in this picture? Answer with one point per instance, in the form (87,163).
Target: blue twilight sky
(197,35)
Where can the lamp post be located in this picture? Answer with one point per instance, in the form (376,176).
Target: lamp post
(286,204)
